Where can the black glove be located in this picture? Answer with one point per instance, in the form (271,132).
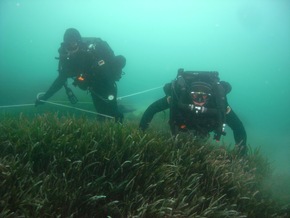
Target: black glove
(39,101)
(241,150)
(119,118)
(143,126)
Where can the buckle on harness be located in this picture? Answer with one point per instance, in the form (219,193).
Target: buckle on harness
(101,62)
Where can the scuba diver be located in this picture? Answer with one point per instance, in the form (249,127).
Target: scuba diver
(198,104)
(94,67)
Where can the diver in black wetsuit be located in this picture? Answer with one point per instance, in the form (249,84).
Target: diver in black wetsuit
(94,67)
(193,106)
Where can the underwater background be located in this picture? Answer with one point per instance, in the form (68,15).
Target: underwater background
(246,41)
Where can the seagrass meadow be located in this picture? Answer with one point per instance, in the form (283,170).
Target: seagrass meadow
(54,165)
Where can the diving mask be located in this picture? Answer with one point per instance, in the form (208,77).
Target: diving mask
(199,98)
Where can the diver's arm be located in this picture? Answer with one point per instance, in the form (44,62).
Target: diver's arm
(238,128)
(56,86)
(155,107)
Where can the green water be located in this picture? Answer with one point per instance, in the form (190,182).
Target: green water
(247,41)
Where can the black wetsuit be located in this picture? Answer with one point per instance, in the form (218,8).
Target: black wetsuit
(232,120)
(101,81)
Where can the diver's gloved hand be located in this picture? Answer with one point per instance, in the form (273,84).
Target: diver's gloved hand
(119,118)
(241,150)
(39,101)
(143,126)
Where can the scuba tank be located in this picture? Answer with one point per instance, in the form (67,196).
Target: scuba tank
(71,96)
